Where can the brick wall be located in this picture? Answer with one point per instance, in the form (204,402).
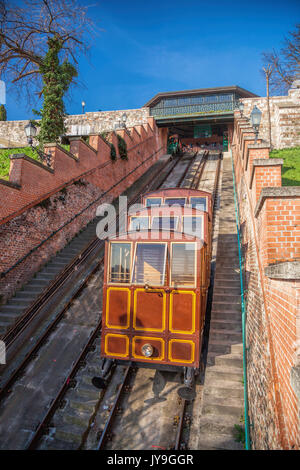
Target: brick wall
(12,132)
(270,226)
(39,200)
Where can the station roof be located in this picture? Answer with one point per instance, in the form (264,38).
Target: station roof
(201,91)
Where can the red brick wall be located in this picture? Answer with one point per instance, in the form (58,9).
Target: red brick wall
(270,234)
(47,200)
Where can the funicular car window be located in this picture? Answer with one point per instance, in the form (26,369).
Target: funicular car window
(183,264)
(153,201)
(193,225)
(139,223)
(120,260)
(149,264)
(171,201)
(164,223)
(199,203)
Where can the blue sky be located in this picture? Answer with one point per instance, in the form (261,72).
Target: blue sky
(145,47)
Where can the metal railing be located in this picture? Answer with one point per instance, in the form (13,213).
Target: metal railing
(205,109)
(244,313)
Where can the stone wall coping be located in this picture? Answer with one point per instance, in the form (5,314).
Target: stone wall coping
(295,380)
(267,161)
(276,192)
(264,162)
(20,156)
(263,145)
(288,105)
(10,184)
(81,140)
(56,145)
(284,270)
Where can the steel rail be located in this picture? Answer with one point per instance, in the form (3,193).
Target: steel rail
(186,170)
(66,384)
(180,426)
(109,421)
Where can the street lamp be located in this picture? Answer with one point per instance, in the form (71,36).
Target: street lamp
(241,107)
(83,105)
(255,118)
(124,119)
(30,132)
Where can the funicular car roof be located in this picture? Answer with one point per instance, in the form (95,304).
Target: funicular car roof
(177,192)
(162,236)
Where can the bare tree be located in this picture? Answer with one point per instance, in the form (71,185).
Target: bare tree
(285,64)
(25,32)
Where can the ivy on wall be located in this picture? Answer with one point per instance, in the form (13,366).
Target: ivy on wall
(113,152)
(122,146)
(56,81)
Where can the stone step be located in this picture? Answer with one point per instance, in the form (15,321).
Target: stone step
(233,281)
(219,347)
(25,294)
(224,392)
(227,290)
(20,301)
(227,262)
(216,441)
(52,269)
(227,298)
(216,424)
(237,348)
(44,276)
(231,360)
(232,336)
(226,325)
(217,409)
(217,372)
(11,310)
(226,306)
(225,315)
(37,283)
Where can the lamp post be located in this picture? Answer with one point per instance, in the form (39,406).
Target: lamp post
(30,132)
(83,105)
(124,119)
(255,118)
(241,107)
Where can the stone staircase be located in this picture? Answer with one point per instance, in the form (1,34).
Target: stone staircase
(17,305)
(223,402)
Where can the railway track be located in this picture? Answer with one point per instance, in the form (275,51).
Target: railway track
(182,419)
(104,435)
(35,308)
(44,424)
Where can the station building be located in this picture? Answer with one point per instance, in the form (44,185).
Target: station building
(201,117)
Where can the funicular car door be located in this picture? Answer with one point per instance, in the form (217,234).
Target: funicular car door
(166,302)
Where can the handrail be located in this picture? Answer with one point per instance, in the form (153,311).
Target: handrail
(246,407)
